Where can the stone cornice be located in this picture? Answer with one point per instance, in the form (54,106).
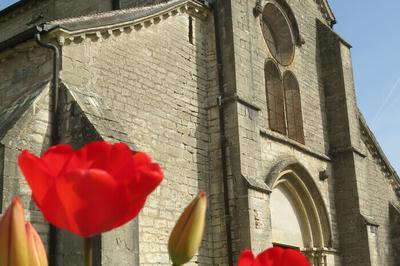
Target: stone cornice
(65,34)
(326,10)
(378,155)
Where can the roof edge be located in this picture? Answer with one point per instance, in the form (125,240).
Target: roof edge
(105,22)
(374,146)
(24,36)
(327,10)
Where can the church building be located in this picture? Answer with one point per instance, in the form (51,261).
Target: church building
(251,101)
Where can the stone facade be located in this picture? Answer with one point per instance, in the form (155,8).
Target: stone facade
(180,79)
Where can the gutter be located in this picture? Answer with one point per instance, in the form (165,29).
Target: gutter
(54,138)
(223,138)
(24,36)
(19,38)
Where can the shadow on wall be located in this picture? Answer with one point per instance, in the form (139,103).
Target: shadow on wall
(198,39)
(394,216)
(321,91)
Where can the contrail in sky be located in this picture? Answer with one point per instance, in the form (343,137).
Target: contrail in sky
(385,102)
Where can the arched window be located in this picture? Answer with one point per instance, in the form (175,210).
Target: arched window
(277,34)
(275,98)
(293,107)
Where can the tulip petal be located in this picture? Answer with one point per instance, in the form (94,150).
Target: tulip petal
(54,211)
(246,258)
(80,191)
(294,257)
(120,154)
(36,251)
(141,175)
(272,256)
(36,174)
(56,158)
(98,152)
(131,209)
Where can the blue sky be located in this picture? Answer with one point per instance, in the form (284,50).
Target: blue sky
(374,31)
(5,3)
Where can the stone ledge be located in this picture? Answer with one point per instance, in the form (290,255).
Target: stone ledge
(283,139)
(349,149)
(257,185)
(368,220)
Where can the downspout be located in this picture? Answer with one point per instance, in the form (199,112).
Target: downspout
(116,4)
(223,138)
(54,138)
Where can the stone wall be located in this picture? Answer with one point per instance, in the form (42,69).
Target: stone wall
(156,88)
(258,148)
(344,142)
(156,82)
(394,215)
(380,195)
(25,73)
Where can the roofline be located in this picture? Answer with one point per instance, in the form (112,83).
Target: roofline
(68,28)
(375,142)
(13,7)
(25,36)
(329,12)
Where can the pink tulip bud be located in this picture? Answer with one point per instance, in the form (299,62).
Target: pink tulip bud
(36,252)
(20,244)
(186,236)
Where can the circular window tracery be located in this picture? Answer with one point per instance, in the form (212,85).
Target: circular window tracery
(277,34)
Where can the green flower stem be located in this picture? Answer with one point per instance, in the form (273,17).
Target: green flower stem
(88,251)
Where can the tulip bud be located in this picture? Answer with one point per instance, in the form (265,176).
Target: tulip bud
(13,243)
(186,236)
(36,251)
(20,244)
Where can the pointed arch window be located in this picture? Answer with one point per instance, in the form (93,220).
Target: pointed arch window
(275,98)
(284,102)
(293,107)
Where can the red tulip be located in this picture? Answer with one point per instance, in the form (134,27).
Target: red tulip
(275,256)
(91,190)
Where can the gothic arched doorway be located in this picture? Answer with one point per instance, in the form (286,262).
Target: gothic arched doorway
(299,218)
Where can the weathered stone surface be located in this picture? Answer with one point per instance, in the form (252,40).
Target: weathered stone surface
(152,81)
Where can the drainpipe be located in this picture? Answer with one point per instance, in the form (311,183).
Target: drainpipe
(223,139)
(116,4)
(54,138)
